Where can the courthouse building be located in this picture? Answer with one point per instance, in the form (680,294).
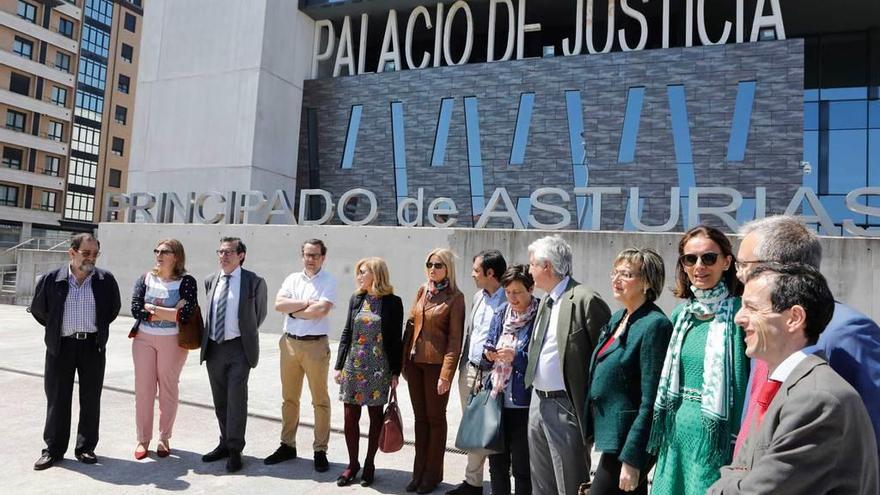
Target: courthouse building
(594,115)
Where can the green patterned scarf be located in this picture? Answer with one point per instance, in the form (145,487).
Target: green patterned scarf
(717,393)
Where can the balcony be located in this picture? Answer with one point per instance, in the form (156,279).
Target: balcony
(31,216)
(35,105)
(36,142)
(18,62)
(31,178)
(66,8)
(15,22)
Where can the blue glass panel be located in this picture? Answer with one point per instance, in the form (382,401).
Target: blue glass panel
(811,155)
(746,211)
(874,114)
(857,93)
(443,121)
(686,178)
(681,134)
(631,119)
(742,116)
(811,95)
(581,175)
(523,207)
(354,123)
(577,148)
(523,122)
(475,161)
(627,221)
(398,139)
(847,160)
(835,205)
(811,116)
(848,114)
(874,157)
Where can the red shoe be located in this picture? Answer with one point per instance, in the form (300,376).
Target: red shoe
(141,454)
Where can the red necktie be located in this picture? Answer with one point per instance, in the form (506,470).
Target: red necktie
(760,375)
(765,397)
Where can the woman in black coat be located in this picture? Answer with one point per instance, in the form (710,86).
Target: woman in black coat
(625,370)
(368,362)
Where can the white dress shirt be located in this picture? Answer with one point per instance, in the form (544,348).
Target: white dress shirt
(780,374)
(485,305)
(321,287)
(548,374)
(232,300)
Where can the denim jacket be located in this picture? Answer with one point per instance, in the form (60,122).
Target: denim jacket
(521,394)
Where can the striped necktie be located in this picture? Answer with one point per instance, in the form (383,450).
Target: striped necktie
(220,314)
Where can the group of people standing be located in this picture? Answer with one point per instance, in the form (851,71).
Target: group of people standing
(731,393)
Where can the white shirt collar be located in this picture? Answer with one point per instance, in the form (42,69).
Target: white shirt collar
(233,274)
(785,368)
(560,288)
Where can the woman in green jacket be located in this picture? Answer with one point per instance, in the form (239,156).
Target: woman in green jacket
(625,370)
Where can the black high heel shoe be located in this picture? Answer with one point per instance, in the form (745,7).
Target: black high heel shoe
(347,476)
(368,475)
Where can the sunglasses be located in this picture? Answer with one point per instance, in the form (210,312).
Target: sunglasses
(435,266)
(163,252)
(708,259)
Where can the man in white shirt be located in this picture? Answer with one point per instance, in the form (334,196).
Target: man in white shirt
(306,299)
(567,327)
(488,267)
(810,431)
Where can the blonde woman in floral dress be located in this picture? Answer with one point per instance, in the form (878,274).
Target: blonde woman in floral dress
(368,362)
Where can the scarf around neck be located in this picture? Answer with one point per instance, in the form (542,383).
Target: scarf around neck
(435,288)
(717,389)
(513,323)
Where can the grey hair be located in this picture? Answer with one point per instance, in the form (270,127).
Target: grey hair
(784,239)
(554,250)
(651,269)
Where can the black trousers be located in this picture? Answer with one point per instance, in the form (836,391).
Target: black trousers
(228,372)
(607,479)
(81,358)
(515,422)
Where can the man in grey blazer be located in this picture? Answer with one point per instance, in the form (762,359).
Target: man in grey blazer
(236,308)
(567,327)
(810,432)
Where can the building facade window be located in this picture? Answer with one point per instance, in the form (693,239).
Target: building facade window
(12,158)
(118,146)
(62,62)
(79,206)
(65,27)
(85,139)
(82,172)
(59,96)
(52,166)
(124,83)
(55,130)
(121,115)
(115,179)
(130,22)
(27,11)
(47,200)
(92,73)
(19,84)
(8,195)
(100,11)
(127,53)
(23,47)
(95,41)
(15,120)
(89,106)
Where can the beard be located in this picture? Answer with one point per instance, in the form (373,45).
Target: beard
(87,267)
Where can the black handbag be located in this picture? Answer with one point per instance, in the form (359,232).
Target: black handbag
(481,430)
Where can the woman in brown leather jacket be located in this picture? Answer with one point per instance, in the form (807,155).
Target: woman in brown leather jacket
(431,349)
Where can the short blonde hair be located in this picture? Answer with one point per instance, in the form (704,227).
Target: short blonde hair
(448,258)
(651,269)
(381,278)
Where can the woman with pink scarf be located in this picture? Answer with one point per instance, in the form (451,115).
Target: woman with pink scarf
(506,353)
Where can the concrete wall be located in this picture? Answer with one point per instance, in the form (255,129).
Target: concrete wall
(219,92)
(709,74)
(30,263)
(851,265)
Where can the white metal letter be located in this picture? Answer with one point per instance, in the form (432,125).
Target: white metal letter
(447,33)
(522,28)
(410,27)
(609,37)
(643,27)
(317,55)
(578,32)
(390,44)
(345,55)
(773,20)
(511,28)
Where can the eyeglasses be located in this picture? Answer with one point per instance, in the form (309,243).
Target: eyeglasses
(690,260)
(163,252)
(363,271)
(742,265)
(435,266)
(624,274)
(312,256)
(88,254)
(225,252)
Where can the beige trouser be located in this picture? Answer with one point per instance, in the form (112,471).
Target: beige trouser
(309,359)
(474,471)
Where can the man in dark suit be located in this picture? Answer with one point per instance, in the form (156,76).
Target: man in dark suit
(76,304)
(567,327)
(230,344)
(810,432)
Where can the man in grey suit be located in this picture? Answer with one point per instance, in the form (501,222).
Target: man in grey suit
(230,344)
(567,327)
(810,432)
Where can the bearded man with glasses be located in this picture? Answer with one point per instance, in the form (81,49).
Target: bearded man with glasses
(76,304)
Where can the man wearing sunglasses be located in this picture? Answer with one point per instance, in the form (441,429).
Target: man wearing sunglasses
(306,299)
(231,345)
(851,341)
(76,304)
